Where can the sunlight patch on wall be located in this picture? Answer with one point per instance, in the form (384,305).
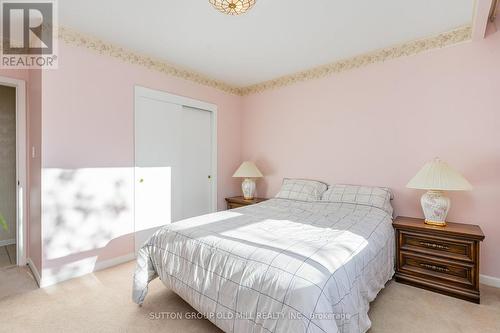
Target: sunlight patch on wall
(84,209)
(153,197)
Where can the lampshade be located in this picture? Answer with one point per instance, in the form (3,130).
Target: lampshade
(438,175)
(233,7)
(248,170)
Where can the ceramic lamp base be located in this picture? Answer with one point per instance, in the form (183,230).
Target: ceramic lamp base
(436,207)
(248,188)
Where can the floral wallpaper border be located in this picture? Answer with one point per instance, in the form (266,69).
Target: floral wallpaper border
(406,49)
(75,38)
(455,36)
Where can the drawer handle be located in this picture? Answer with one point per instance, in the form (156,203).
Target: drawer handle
(435,246)
(435,268)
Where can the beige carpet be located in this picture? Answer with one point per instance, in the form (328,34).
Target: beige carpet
(15,280)
(101,303)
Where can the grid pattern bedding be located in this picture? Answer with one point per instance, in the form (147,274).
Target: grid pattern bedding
(301,189)
(374,196)
(279,266)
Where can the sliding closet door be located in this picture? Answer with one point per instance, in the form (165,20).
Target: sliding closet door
(196,161)
(173,159)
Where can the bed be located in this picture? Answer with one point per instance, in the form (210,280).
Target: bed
(284,265)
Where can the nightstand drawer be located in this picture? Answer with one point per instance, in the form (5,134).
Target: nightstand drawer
(233,205)
(237,202)
(452,248)
(441,259)
(459,274)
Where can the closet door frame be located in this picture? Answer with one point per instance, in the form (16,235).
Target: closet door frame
(164,96)
(22,211)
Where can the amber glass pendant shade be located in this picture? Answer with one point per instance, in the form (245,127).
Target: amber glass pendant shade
(233,7)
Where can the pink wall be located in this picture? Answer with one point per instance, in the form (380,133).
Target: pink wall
(19,74)
(88,134)
(379,124)
(34,163)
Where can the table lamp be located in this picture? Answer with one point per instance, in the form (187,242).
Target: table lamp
(249,171)
(435,177)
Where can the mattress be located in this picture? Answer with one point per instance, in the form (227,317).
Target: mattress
(278,266)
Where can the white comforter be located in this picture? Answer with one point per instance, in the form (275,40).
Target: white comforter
(279,266)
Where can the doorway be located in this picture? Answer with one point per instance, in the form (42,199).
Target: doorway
(12,172)
(8,184)
(175,160)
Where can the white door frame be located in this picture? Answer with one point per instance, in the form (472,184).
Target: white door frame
(21,167)
(186,101)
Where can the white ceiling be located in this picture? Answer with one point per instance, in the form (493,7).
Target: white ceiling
(275,38)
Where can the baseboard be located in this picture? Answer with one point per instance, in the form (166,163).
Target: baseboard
(80,268)
(489,280)
(7,242)
(114,262)
(33,269)
(484,279)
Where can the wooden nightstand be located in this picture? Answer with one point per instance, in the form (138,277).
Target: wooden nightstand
(441,259)
(236,202)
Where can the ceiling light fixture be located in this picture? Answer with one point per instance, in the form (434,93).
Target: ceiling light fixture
(233,7)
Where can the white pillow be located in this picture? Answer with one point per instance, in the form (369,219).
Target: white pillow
(301,189)
(379,197)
